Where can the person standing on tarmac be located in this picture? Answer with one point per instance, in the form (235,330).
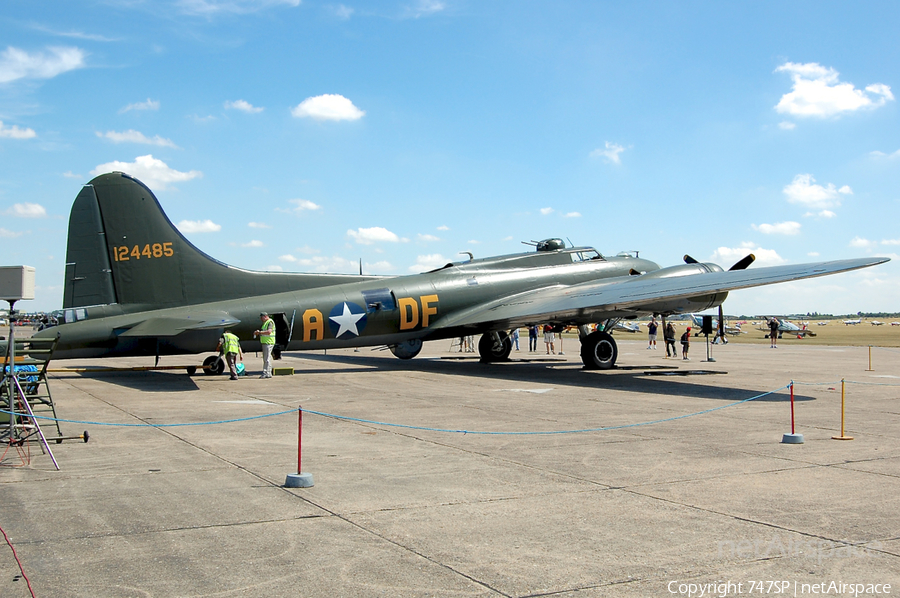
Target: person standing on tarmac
(686,344)
(266,335)
(670,339)
(773,332)
(652,328)
(230,346)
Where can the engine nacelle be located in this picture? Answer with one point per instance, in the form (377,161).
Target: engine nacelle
(683,270)
(688,304)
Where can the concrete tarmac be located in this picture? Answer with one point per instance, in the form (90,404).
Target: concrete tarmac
(682,483)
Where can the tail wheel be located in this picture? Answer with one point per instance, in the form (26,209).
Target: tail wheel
(599,351)
(494,346)
(213,365)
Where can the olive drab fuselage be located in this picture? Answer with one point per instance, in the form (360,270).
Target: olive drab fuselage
(134,285)
(381,311)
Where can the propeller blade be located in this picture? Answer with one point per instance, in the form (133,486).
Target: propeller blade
(742,264)
(689,260)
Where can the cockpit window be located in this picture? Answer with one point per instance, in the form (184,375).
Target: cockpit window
(586,255)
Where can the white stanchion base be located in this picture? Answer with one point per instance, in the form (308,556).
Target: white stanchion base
(299,480)
(792,439)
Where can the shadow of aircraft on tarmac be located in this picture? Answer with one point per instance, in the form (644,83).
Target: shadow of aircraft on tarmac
(560,373)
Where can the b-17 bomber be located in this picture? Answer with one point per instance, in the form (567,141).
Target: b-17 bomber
(134,285)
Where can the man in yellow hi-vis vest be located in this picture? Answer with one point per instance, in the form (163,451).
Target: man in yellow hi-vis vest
(266,335)
(231,347)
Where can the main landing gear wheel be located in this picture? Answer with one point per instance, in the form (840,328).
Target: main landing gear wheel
(213,365)
(494,347)
(407,349)
(599,351)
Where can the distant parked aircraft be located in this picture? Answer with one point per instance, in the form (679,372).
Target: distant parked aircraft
(876,323)
(788,327)
(698,325)
(628,326)
(852,322)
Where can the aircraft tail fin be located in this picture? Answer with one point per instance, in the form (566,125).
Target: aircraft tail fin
(122,248)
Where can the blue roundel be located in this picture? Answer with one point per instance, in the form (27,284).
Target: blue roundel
(346,320)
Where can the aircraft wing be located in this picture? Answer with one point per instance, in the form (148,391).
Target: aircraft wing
(173,326)
(597,300)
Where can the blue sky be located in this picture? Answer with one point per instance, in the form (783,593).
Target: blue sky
(304,136)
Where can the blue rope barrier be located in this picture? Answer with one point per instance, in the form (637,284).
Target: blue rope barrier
(409,427)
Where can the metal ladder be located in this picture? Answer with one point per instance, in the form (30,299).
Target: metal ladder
(31,387)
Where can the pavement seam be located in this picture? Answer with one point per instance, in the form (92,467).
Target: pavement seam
(757,522)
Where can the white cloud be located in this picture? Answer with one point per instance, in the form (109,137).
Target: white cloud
(424,263)
(546,211)
(8,234)
(209,8)
(610,152)
(859,242)
(243,107)
(301,205)
(27,210)
(287,258)
(18,64)
(787,126)
(573,215)
(726,256)
(71,175)
(423,8)
(822,214)
(817,92)
(327,107)
(878,154)
(132,136)
(148,105)
(253,243)
(14,132)
(375,234)
(779,228)
(813,254)
(343,12)
(258,225)
(198,226)
(274,269)
(890,241)
(802,190)
(443,227)
(152,172)
(427,238)
(94,37)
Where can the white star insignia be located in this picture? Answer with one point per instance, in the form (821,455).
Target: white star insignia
(347,321)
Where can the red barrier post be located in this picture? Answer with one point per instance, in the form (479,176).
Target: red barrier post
(793,437)
(792,408)
(299,479)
